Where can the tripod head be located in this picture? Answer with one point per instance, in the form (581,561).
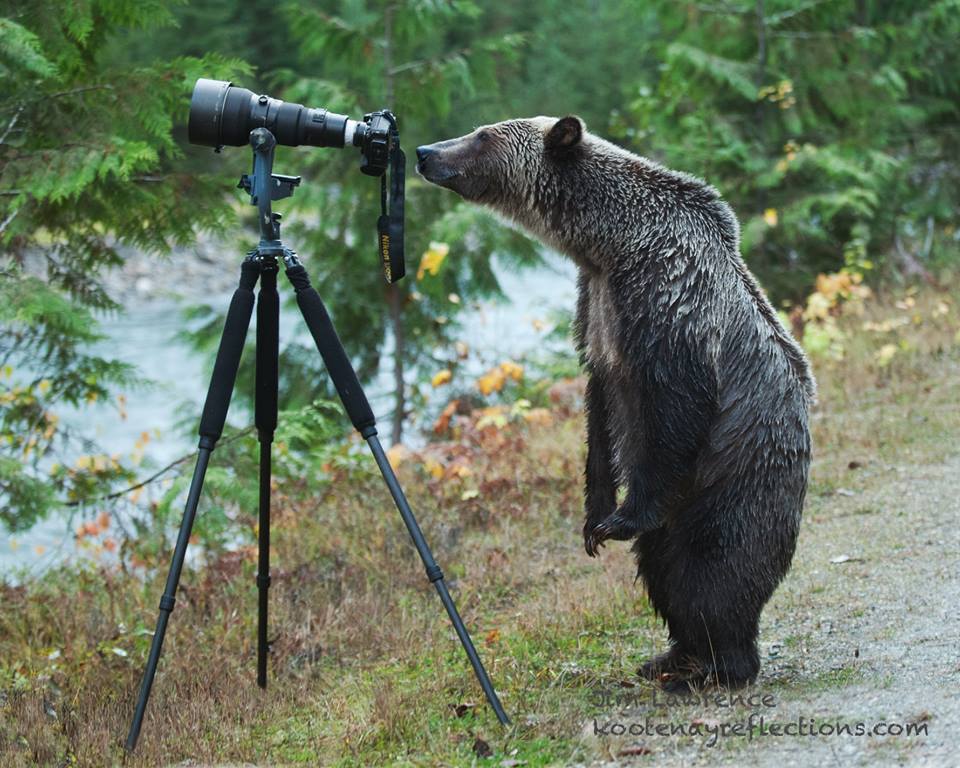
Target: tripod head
(264,187)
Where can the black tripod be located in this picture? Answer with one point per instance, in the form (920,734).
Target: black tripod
(263,264)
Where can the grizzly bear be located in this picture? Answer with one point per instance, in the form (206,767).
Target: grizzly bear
(696,396)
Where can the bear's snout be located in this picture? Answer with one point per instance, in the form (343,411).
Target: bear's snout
(432,165)
(428,162)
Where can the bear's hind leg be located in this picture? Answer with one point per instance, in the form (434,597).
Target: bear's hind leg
(654,554)
(713,586)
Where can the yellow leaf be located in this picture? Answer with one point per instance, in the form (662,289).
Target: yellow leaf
(44,386)
(512,370)
(441,377)
(397,454)
(770,216)
(435,468)
(432,259)
(472,493)
(491,381)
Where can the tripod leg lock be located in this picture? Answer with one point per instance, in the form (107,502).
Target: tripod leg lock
(263,581)
(434,573)
(167,602)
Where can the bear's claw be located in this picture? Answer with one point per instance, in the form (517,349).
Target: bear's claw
(614,527)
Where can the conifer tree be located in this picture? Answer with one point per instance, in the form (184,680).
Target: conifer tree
(87,164)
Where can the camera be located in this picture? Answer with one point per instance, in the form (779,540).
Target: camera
(223,114)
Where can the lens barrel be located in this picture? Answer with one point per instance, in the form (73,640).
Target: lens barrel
(222,114)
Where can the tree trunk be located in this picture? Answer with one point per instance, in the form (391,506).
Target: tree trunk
(394,292)
(761,76)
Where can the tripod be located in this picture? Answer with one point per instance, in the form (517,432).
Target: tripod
(263,264)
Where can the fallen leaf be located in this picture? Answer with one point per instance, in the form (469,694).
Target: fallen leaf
(443,421)
(707,721)
(463,708)
(481,748)
(839,559)
(639,749)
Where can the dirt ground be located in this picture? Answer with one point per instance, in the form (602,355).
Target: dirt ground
(864,630)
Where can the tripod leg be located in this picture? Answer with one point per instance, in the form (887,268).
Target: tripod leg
(268,322)
(361,415)
(211,427)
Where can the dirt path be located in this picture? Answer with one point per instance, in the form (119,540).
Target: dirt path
(866,628)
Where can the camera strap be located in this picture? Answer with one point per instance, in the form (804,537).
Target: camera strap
(390,223)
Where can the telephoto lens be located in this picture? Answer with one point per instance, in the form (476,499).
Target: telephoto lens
(222,114)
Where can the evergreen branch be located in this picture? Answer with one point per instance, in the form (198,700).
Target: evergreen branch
(155,476)
(74,91)
(12,124)
(418,63)
(6,222)
(722,8)
(776,18)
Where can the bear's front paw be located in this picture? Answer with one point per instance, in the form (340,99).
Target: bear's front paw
(613,527)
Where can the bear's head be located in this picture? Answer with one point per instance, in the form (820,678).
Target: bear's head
(515,167)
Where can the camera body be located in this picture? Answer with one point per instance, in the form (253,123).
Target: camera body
(378,143)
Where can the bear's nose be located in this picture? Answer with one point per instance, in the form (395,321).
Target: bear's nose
(424,152)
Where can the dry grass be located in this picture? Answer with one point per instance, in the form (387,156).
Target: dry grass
(365,669)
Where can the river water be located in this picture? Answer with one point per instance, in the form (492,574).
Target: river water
(145,335)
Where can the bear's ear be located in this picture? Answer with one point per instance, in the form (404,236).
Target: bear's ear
(564,135)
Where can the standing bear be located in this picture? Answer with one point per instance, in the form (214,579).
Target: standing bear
(697,395)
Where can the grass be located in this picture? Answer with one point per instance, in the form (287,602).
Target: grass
(365,668)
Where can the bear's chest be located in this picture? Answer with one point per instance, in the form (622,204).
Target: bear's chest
(602,344)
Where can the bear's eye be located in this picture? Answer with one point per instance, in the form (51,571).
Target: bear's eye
(483,136)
